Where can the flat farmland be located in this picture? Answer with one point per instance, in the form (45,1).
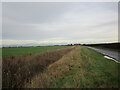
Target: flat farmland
(60,67)
(19,51)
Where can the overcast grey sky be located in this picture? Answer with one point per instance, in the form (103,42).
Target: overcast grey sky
(59,23)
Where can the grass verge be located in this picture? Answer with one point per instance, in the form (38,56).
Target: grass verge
(81,68)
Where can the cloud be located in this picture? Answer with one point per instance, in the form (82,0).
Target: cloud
(60,22)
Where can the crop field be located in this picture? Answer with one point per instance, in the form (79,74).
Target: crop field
(19,51)
(59,67)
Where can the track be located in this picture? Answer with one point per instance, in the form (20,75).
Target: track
(110,53)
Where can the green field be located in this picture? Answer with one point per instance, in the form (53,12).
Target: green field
(18,51)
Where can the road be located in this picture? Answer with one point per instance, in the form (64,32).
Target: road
(110,53)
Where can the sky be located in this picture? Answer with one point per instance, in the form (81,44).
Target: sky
(46,23)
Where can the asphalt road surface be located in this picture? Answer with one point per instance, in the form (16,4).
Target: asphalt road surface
(110,53)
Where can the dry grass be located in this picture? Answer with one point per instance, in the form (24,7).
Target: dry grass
(55,70)
(18,71)
(81,68)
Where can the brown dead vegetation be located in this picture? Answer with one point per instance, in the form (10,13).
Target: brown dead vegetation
(18,71)
(56,70)
(81,68)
